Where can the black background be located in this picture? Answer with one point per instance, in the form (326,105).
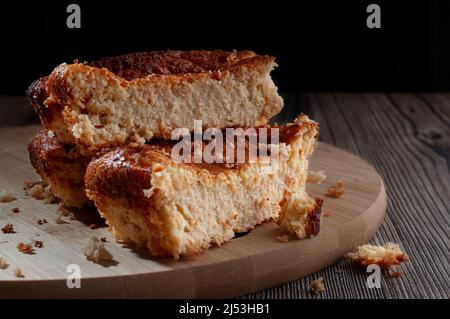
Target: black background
(319,45)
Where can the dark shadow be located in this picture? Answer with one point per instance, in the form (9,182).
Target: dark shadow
(108,263)
(87,215)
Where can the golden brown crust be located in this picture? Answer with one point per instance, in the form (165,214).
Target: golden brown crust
(60,165)
(139,65)
(37,94)
(313,225)
(44,149)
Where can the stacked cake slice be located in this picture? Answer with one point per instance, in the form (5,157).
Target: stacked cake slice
(109,138)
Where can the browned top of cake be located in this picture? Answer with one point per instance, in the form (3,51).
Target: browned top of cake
(44,149)
(138,65)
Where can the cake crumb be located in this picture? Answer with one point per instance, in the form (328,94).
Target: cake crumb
(6,196)
(327,213)
(15,210)
(336,191)
(283,238)
(95,250)
(317,285)
(59,219)
(3,263)
(42,221)
(384,256)
(40,191)
(93,226)
(103,239)
(64,211)
(8,229)
(25,248)
(38,244)
(316,177)
(18,273)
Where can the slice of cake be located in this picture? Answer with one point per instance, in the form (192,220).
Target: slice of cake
(135,97)
(61,166)
(179,209)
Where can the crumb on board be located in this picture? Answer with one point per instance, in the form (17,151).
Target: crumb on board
(64,211)
(384,256)
(283,238)
(93,226)
(38,244)
(95,250)
(18,273)
(103,239)
(59,219)
(316,177)
(42,221)
(8,229)
(25,248)
(6,196)
(336,191)
(327,213)
(3,263)
(15,210)
(40,191)
(317,285)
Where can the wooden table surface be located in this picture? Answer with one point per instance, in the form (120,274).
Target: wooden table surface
(406,137)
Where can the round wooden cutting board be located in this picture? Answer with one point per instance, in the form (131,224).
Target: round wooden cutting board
(245,264)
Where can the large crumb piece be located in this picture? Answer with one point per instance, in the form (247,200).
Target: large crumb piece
(3,263)
(18,273)
(6,196)
(384,256)
(95,250)
(8,229)
(41,191)
(316,177)
(25,248)
(317,285)
(336,191)
(298,215)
